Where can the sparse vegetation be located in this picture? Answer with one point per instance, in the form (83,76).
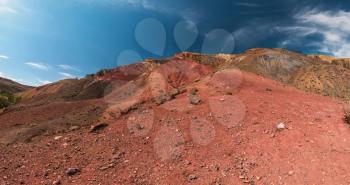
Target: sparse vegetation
(102,72)
(4,102)
(7,99)
(194,91)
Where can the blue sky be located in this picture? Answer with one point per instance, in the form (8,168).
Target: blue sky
(43,41)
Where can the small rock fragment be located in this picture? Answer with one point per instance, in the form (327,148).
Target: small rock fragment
(58,137)
(58,181)
(194,99)
(72,171)
(98,127)
(174,92)
(162,99)
(192,177)
(281,126)
(290,173)
(347,118)
(104,168)
(187,162)
(73,128)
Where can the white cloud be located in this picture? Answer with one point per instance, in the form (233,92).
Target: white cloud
(7,10)
(14,7)
(338,20)
(152,5)
(190,15)
(333,26)
(39,66)
(43,82)
(300,30)
(251,34)
(6,6)
(140,3)
(4,57)
(247,4)
(67,75)
(146,4)
(68,67)
(3,75)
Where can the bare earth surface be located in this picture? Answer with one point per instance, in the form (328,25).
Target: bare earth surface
(244,130)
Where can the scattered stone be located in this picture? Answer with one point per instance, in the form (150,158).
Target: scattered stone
(139,127)
(174,92)
(192,177)
(187,162)
(194,99)
(46,173)
(118,155)
(73,128)
(72,171)
(65,145)
(217,181)
(347,118)
(268,89)
(58,181)
(162,99)
(290,173)
(281,126)
(104,168)
(215,168)
(98,127)
(58,137)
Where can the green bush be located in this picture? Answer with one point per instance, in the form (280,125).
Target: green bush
(4,102)
(7,99)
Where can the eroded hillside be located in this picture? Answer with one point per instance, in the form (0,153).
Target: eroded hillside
(318,74)
(190,119)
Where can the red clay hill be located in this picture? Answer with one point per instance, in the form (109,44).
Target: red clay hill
(190,119)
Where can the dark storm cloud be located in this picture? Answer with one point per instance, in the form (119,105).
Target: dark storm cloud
(294,24)
(307,26)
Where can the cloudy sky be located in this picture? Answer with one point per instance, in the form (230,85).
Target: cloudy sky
(42,41)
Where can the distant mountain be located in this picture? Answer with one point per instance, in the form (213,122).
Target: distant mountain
(10,86)
(323,75)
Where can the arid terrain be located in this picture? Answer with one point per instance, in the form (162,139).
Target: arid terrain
(11,86)
(266,116)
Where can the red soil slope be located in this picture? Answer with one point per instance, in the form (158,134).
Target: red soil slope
(231,137)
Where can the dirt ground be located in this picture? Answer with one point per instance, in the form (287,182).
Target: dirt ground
(244,129)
